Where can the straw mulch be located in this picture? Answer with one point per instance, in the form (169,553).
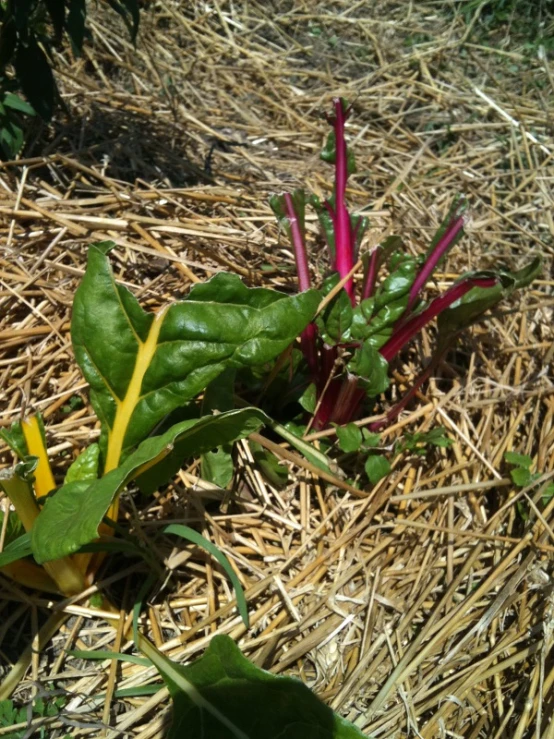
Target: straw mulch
(425,607)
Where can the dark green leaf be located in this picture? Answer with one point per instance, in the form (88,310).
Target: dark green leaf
(35,76)
(85,467)
(185,532)
(371,368)
(56,11)
(376,468)
(76,24)
(350,437)
(140,369)
(224,695)
(333,322)
(78,508)
(129,11)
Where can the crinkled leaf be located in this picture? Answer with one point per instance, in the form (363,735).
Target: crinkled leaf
(151,365)
(217,466)
(185,532)
(398,282)
(275,473)
(360,327)
(77,509)
(333,322)
(224,695)
(85,467)
(371,368)
(16,549)
(376,467)
(349,437)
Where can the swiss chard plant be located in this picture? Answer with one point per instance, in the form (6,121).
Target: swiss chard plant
(143,369)
(363,327)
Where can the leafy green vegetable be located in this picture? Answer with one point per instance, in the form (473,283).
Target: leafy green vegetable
(154,364)
(85,467)
(224,695)
(78,508)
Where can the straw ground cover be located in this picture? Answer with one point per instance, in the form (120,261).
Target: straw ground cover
(423,607)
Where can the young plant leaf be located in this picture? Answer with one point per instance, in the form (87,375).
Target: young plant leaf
(376,467)
(224,695)
(77,509)
(185,532)
(155,364)
(350,437)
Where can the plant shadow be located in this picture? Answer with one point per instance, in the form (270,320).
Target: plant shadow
(123,145)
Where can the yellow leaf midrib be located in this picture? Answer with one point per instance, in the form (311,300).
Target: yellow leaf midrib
(125,407)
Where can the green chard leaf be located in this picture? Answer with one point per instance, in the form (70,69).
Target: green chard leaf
(371,368)
(85,467)
(224,695)
(335,319)
(153,364)
(78,508)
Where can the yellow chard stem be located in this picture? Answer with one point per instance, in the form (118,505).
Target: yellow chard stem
(64,572)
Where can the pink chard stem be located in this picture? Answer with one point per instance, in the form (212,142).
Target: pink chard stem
(452,232)
(344,241)
(371,275)
(409,329)
(308,336)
